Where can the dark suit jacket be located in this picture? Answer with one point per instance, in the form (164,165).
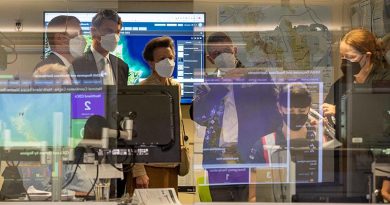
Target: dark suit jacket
(87,72)
(256,112)
(51,59)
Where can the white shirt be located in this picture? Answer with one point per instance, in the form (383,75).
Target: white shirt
(229,133)
(109,76)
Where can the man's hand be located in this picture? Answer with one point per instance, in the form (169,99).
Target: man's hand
(142,181)
(329,110)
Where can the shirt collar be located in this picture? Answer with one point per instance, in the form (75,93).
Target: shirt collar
(98,57)
(64,60)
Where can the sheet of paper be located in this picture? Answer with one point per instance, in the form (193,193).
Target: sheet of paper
(166,196)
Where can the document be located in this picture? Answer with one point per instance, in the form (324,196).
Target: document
(166,196)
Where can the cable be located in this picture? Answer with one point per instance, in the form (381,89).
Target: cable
(185,137)
(74,172)
(381,170)
(97,175)
(127,155)
(133,152)
(94,183)
(28,196)
(310,10)
(71,179)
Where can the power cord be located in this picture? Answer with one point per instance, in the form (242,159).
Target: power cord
(97,174)
(382,170)
(133,152)
(74,172)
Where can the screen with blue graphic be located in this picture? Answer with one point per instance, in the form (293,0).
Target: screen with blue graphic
(30,119)
(33,118)
(186,29)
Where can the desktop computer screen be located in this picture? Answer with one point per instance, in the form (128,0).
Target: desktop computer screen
(186,29)
(40,120)
(28,117)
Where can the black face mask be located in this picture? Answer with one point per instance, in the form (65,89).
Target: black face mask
(297,121)
(349,68)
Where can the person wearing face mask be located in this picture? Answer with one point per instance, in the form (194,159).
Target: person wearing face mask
(234,107)
(295,119)
(361,64)
(97,65)
(159,53)
(66,42)
(297,127)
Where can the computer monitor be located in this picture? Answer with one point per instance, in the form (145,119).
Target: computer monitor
(365,119)
(35,122)
(186,29)
(156,122)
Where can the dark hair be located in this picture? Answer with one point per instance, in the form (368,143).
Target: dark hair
(58,24)
(106,14)
(364,41)
(93,127)
(217,37)
(300,96)
(163,41)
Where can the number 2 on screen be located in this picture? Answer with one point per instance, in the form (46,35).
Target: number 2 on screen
(87,105)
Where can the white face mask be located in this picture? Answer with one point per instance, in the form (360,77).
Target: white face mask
(387,57)
(109,41)
(225,62)
(77,46)
(164,68)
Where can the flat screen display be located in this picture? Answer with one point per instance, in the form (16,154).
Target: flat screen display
(47,119)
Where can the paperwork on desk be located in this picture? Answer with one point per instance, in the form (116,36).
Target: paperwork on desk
(39,195)
(166,196)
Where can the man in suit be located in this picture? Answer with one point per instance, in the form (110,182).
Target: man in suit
(236,106)
(65,40)
(98,66)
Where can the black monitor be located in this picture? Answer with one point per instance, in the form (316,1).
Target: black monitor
(349,172)
(365,119)
(156,121)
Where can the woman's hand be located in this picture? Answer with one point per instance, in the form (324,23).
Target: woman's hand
(329,109)
(142,181)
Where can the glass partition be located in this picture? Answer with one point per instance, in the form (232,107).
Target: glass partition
(274,101)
